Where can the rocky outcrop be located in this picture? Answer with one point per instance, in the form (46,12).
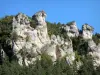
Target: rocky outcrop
(71,29)
(94,51)
(87,31)
(61,47)
(27,40)
(30,43)
(39,17)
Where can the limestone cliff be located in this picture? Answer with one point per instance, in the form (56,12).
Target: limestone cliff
(28,43)
(31,42)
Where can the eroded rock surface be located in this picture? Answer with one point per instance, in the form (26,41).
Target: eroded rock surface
(87,31)
(29,43)
(27,40)
(71,29)
(94,51)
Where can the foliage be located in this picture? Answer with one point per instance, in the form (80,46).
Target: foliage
(41,67)
(46,67)
(96,38)
(53,28)
(80,45)
(32,22)
(14,36)
(87,68)
(70,23)
(5,27)
(56,29)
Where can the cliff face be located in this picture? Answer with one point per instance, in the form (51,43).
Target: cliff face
(29,43)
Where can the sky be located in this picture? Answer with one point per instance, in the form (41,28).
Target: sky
(81,11)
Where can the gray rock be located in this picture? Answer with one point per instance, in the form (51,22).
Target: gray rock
(29,41)
(39,17)
(61,47)
(87,31)
(94,51)
(71,29)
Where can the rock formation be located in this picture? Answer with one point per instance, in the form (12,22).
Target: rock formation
(87,31)
(28,40)
(94,50)
(71,29)
(29,43)
(61,47)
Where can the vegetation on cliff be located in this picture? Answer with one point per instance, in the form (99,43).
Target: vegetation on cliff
(45,66)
